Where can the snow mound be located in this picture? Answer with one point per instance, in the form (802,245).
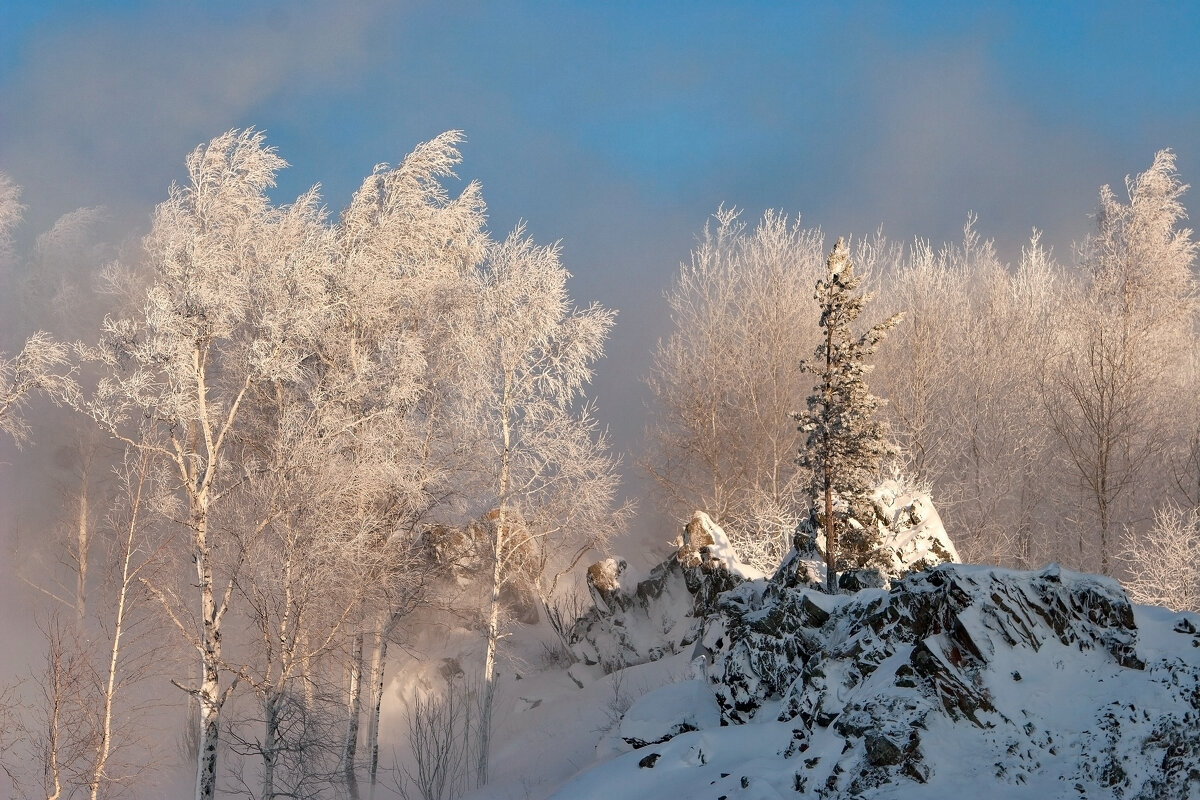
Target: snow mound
(667,712)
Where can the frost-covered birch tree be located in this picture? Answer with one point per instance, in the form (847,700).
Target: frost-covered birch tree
(980,442)
(42,364)
(1164,562)
(550,481)
(1121,350)
(235,297)
(844,441)
(403,305)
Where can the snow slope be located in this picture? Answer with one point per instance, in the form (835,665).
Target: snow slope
(962,681)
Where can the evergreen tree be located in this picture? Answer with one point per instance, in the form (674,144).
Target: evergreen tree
(845,441)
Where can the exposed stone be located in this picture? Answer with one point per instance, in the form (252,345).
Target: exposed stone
(778,643)
(856,580)
(638,621)
(604,582)
(881,751)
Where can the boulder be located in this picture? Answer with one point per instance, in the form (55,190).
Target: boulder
(894,532)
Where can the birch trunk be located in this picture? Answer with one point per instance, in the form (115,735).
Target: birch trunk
(354,711)
(378,672)
(82,543)
(270,747)
(489,667)
(493,630)
(210,685)
(104,746)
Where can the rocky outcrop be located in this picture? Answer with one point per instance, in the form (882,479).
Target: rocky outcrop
(636,620)
(949,622)
(955,680)
(948,647)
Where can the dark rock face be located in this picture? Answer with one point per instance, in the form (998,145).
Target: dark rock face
(882,751)
(638,744)
(778,640)
(926,647)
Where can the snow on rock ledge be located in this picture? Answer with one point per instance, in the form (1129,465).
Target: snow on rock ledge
(664,713)
(913,537)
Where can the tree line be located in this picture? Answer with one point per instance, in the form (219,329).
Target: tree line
(1049,408)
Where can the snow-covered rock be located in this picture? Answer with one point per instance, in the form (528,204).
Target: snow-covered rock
(950,622)
(636,620)
(958,649)
(960,680)
(912,536)
(899,528)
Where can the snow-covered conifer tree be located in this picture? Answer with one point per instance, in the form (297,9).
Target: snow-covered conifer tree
(845,442)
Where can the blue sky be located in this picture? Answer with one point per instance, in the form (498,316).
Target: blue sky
(617,127)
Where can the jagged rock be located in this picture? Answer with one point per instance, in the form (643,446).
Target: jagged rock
(1030,684)
(951,620)
(460,556)
(937,632)
(881,751)
(856,580)
(635,621)
(604,583)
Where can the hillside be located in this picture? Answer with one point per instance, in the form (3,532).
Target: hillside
(955,680)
